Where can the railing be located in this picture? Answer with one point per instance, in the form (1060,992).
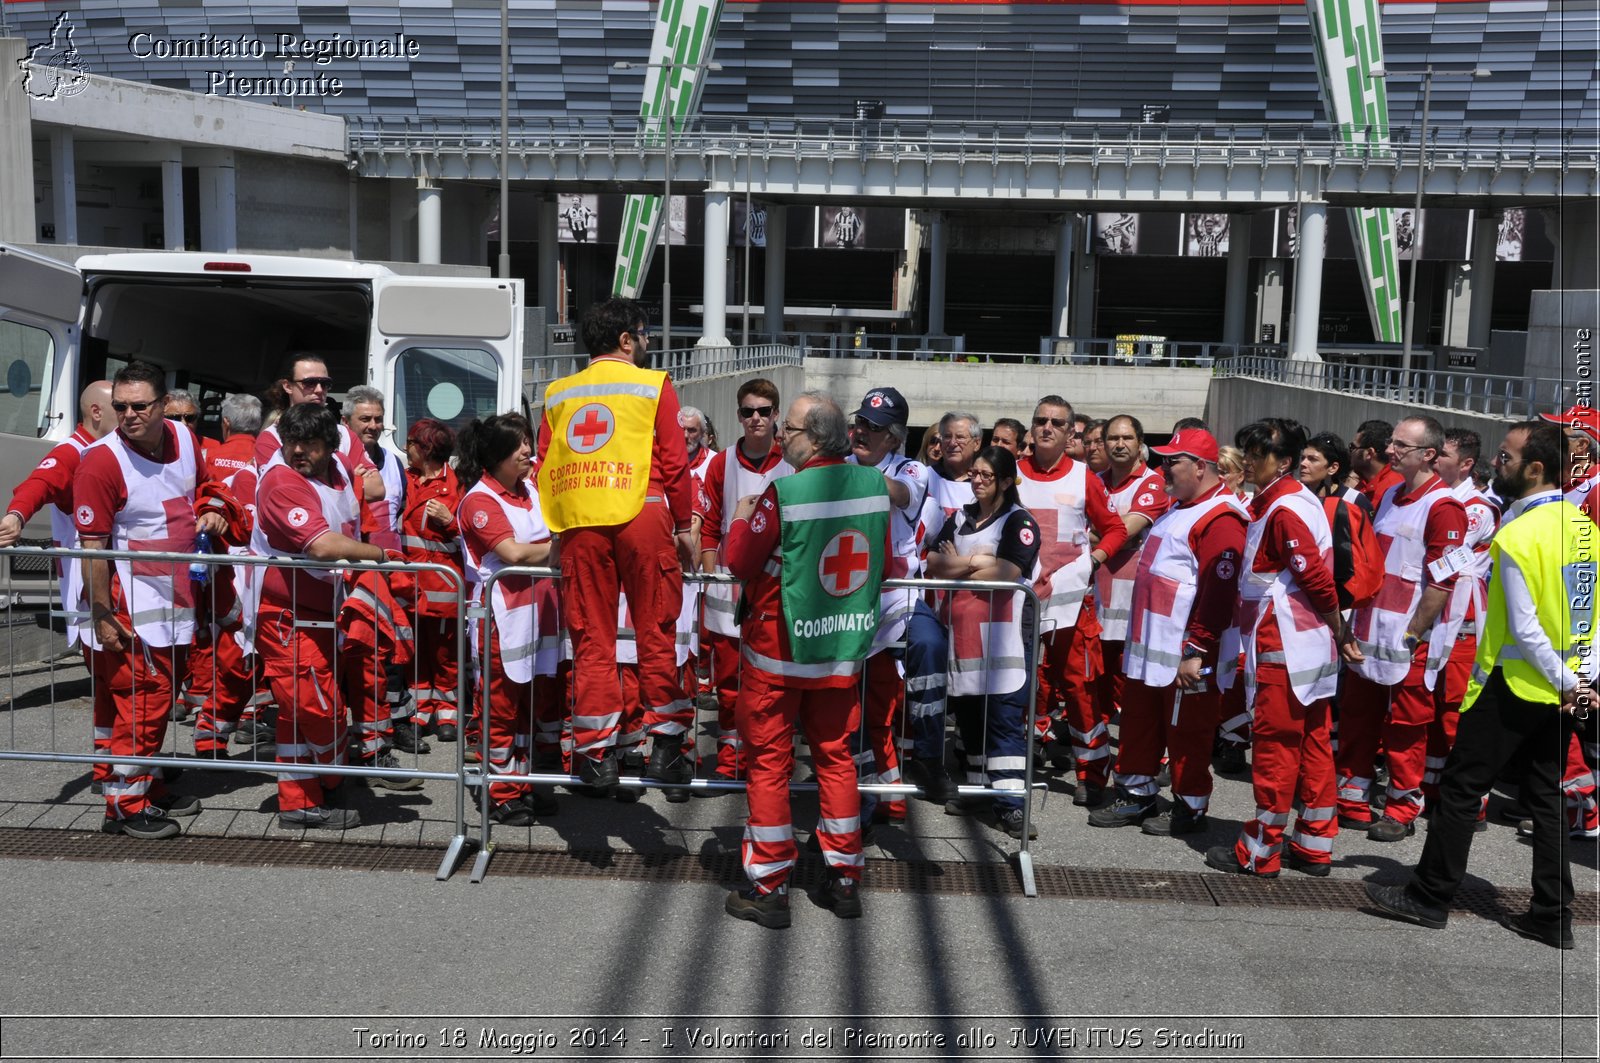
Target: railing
(1068,350)
(1516,398)
(1261,143)
(685,364)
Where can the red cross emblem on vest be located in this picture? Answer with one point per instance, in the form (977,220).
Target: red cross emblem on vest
(844,563)
(590,428)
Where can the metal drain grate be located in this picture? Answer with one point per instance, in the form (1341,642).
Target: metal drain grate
(1203,889)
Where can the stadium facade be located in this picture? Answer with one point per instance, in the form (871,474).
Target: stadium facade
(1031,64)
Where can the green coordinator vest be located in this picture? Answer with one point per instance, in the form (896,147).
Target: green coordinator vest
(1555,547)
(833,523)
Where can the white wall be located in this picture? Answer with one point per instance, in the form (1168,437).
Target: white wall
(1157,396)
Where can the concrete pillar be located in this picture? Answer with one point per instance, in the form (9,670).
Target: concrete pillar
(714,318)
(938,247)
(1269,303)
(1458,300)
(545,220)
(172,204)
(64,184)
(1085,279)
(1061,303)
(777,243)
(1308,282)
(1236,298)
(430,222)
(18,222)
(219,213)
(1485,234)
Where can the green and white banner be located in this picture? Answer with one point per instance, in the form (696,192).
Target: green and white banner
(1349,43)
(685,36)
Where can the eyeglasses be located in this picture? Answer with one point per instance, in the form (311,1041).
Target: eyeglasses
(790,429)
(1053,422)
(868,427)
(639,334)
(1503,458)
(186,418)
(980,477)
(748,412)
(312,383)
(1401,448)
(136,407)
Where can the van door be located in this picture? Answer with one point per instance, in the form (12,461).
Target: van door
(449,348)
(41,300)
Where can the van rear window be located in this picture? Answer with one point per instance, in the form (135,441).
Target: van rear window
(27,353)
(449,384)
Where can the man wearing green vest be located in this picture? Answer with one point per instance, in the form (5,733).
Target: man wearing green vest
(812,552)
(1532,685)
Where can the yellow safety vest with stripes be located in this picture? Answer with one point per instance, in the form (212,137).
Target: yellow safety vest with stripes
(1554,547)
(602,425)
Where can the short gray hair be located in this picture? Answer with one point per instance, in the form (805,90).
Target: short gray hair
(361,395)
(898,431)
(243,413)
(976,431)
(181,398)
(691,411)
(824,423)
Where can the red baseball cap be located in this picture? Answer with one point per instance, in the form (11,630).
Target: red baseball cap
(1195,442)
(1584,418)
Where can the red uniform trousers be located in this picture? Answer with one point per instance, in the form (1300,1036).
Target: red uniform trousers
(105,710)
(1150,725)
(768,713)
(638,558)
(223,678)
(1400,717)
(299,664)
(874,742)
(1107,687)
(1292,770)
(1068,662)
(1235,725)
(630,728)
(142,686)
(1448,690)
(364,684)
(726,662)
(434,682)
(510,727)
(551,694)
(1578,783)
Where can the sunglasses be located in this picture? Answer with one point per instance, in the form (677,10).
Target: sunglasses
(868,427)
(747,412)
(136,407)
(1053,422)
(186,418)
(311,383)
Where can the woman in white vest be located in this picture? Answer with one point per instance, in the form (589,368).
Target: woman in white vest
(993,538)
(501,526)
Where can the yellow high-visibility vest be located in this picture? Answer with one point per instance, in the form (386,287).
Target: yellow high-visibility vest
(602,424)
(1555,547)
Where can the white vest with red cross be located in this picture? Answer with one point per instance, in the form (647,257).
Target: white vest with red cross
(158,516)
(313,595)
(987,655)
(737,482)
(1061,576)
(1164,592)
(1483,518)
(1309,653)
(64,534)
(1380,628)
(512,601)
(1113,582)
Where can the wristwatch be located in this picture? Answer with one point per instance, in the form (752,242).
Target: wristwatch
(1192,653)
(1412,641)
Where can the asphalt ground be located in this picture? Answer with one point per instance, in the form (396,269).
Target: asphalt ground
(257,942)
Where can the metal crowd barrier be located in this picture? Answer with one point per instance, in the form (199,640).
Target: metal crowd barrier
(468,776)
(483,777)
(181,563)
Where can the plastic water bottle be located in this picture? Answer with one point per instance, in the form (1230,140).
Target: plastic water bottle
(199,573)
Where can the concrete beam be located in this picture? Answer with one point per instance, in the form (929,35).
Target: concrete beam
(151,112)
(18,222)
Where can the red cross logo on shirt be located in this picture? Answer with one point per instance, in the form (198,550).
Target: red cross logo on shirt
(844,563)
(590,428)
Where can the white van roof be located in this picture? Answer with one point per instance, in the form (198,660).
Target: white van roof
(222,263)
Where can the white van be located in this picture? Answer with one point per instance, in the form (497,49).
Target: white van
(442,347)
